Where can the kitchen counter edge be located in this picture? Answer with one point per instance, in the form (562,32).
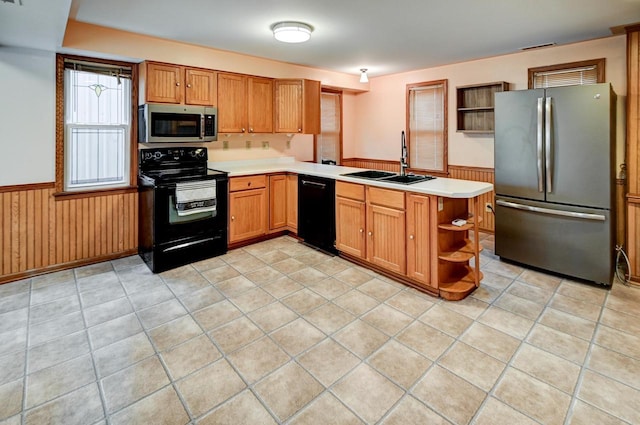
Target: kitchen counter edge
(441,186)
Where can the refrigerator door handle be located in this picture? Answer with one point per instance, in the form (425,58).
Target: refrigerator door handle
(585,216)
(539,145)
(547,139)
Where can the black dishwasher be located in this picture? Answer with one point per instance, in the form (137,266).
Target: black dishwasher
(317,212)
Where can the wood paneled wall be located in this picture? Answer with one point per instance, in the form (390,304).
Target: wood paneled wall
(633,150)
(455,172)
(372,164)
(40,233)
(480,175)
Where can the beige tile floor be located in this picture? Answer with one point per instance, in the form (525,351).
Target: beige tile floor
(279,333)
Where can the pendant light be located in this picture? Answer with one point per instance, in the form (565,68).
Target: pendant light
(363,75)
(292,32)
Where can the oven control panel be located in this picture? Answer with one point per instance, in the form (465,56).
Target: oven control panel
(172,154)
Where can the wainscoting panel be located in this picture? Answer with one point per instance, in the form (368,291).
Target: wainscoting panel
(480,175)
(372,164)
(39,233)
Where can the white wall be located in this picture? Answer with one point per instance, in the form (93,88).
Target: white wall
(381,113)
(27,116)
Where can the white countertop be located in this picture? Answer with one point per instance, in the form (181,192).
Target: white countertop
(450,188)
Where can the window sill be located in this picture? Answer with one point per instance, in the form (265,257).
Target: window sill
(60,196)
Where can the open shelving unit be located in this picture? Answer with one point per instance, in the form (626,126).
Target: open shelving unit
(475,105)
(457,276)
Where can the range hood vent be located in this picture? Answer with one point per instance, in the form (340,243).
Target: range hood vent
(538,46)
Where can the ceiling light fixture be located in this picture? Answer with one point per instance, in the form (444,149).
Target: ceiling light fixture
(292,32)
(363,75)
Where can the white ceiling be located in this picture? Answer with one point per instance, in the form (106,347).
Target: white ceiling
(381,35)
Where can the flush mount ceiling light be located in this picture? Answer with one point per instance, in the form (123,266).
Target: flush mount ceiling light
(363,75)
(292,32)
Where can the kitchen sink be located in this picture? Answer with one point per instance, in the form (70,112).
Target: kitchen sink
(408,179)
(370,174)
(386,176)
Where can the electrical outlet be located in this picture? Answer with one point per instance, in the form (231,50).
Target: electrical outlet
(247,144)
(225,145)
(488,207)
(265,145)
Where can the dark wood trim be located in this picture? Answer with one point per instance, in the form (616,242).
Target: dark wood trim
(265,237)
(467,168)
(599,64)
(59,196)
(57,267)
(30,186)
(445,147)
(376,161)
(133,136)
(399,278)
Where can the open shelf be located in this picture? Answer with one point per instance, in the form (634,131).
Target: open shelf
(460,285)
(460,253)
(475,107)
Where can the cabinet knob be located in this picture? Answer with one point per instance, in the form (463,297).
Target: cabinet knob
(243,130)
(233,217)
(361,230)
(299,130)
(189,85)
(411,237)
(370,233)
(249,184)
(178,84)
(250,129)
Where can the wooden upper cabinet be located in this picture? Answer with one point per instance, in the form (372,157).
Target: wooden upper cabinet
(297,106)
(232,108)
(260,105)
(167,83)
(201,87)
(163,82)
(245,104)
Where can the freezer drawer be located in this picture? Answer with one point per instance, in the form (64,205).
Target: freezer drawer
(577,242)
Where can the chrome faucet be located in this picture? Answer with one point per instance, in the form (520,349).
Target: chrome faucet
(403,159)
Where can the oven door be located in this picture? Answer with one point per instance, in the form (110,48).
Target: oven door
(169,226)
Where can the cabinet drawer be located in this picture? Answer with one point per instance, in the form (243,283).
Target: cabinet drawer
(385,197)
(350,190)
(247,182)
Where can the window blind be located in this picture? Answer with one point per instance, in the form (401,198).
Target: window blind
(565,77)
(328,147)
(427,127)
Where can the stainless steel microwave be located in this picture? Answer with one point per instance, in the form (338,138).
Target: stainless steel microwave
(176,123)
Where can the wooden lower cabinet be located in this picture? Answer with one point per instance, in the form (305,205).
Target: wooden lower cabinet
(277,201)
(350,226)
(419,242)
(292,202)
(386,238)
(248,215)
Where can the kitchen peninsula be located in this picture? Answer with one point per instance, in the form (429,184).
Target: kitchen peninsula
(403,231)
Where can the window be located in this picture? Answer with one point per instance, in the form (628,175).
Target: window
(329,142)
(567,74)
(96,125)
(427,135)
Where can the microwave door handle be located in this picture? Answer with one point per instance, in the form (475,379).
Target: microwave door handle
(201,126)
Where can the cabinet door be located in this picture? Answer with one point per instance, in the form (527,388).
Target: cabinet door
(200,87)
(386,238)
(247,214)
(350,226)
(418,239)
(164,83)
(232,103)
(292,202)
(277,202)
(288,106)
(260,102)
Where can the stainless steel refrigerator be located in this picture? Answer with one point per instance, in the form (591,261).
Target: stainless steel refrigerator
(554,179)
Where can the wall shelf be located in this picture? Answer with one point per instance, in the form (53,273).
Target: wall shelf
(475,106)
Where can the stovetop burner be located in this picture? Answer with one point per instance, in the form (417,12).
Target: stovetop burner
(167,165)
